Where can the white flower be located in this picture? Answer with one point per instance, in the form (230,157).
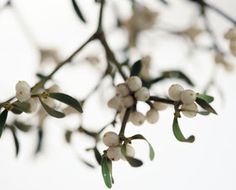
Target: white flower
(127,101)
(137,118)
(152,116)
(134,83)
(111,139)
(188,96)
(142,94)
(159,106)
(114,153)
(122,90)
(175,92)
(190,110)
(23,91)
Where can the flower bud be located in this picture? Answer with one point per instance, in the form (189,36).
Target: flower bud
(127,101)
(23,91)
(190,110)
(175,92)
(115,103)
(134,83)
(188,96)
(130,152)
(137,118)
(152,116)
(142,94)
(114,153)
(54,88)
(159,106)
(122,90)
(111,139)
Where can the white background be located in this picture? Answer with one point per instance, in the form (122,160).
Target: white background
(208,163)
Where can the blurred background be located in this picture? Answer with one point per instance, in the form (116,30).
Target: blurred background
(208,163)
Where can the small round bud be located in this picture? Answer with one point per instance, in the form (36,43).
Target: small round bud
(111,139)
(129,152)
(175,91)
(122,89)
(190,110)
(230,34)
(33,104)
(128,101)
(152,116)
(115,103)
(159,106)
(137,118)
(219,58)
(134,83)
(23,91)
(142,94)
(114,153)
(188,96)
(54,88)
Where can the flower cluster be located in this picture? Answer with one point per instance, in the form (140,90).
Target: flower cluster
(112,140)
(231,36)
(186,97)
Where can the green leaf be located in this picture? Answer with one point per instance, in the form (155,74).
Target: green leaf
(205,97)
(66,99)
(134,162)
(68,134)
(39,140)
(78,11)
(51,111)
(22,126)
(97,155)
(106,171)
(3,118)
(151,150)
(21,107)
(179,75)
(16,141)
(203,103)
(179,135)
(136,68)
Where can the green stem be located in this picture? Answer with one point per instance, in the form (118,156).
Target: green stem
(124,122)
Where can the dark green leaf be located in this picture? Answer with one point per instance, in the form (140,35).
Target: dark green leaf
(21,106)
(78,11)
(3,118)
(151,150)
(87,163)
(136,68)
(134,162)
(205,97)
(66,99)
(22,126)
(97,155)
(106,171)
(179,75)
(203,103)
(51,111)
(39,140)
(16,141)
(179,135)
(68,134)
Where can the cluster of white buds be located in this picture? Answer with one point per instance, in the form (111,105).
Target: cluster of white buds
(112,140)
(152,116)
(127,94)
(231,36)
(187,97)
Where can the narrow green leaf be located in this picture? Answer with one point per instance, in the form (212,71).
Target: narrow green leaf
(21,106)
(151,150)
(106,171)
(87,163)
(3,118)
(97,155)
(205,97)
(136,68)
(178,134)
(16,141)
(22,126)
(203,103)
(66,99)
(39,140)
(51,111)
(78,11)
(134,162)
